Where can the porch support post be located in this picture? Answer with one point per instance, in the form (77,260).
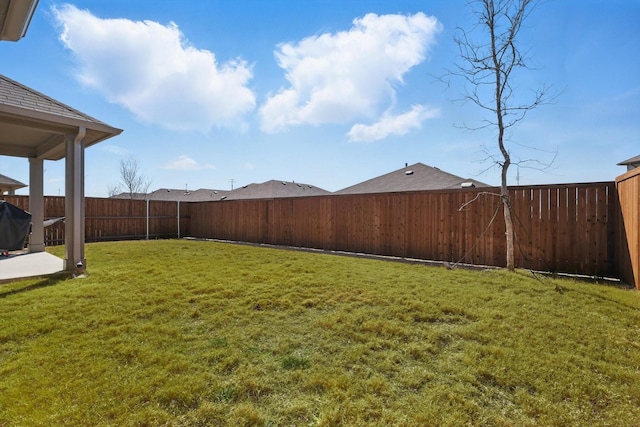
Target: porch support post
(36,204)
(74,259)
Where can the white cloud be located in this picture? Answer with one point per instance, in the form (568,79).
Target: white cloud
(393,125)
(340,77)
(151,70)
(186,163)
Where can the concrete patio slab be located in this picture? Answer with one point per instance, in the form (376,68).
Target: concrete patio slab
(20,265)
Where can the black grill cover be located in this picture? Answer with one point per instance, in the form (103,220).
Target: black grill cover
(15,225)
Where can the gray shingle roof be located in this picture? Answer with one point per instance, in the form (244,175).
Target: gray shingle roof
(267,190)
(17,95)
(5,181)
(416,177)
(34,125)
(174,195)
(275,189)
(200,195)
(632,161)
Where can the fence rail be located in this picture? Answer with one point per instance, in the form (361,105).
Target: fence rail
(590,229)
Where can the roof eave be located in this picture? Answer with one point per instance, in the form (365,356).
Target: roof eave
(59,126)
(17,19)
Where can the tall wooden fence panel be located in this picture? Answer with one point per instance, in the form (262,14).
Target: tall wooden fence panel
(114,219)
(561,228)
(628,186)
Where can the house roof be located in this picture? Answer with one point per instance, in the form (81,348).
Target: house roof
(34,125)
(416,177)
(200,195)
(5,182)
(275,189)
(175,194)
(266,190)
(126,195)
(630,162)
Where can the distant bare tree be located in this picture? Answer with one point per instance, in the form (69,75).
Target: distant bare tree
(488,67)
(133,181)
(114,190)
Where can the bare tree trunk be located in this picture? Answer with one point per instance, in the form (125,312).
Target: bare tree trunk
(508,222)
(500,82)
(506,199)
(488,69)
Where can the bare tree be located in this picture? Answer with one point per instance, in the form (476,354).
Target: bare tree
(133,181)
(489,68)
(113,190)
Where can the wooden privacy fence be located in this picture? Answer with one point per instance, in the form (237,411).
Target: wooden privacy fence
(590,229)
(114,219)
(560,228)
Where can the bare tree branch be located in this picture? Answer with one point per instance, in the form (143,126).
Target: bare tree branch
(134,182)
(488,69)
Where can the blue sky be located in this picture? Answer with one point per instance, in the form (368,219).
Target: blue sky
(324,92)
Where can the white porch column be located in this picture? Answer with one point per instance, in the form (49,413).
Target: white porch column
(74,259)
(36,204)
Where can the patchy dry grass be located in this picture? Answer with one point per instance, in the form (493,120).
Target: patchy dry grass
(202,333)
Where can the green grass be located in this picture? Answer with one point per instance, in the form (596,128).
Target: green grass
(202,333)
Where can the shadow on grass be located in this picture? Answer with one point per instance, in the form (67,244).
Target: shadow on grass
(45,282)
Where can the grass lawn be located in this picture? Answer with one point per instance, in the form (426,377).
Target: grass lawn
(202,333)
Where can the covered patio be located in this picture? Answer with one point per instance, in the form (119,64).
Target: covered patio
(39,128)
(25,264)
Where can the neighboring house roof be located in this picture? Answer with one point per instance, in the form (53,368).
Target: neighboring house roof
(267,190)
(200,195)
(275,189)
(174,195)
(415,177)
(35,126)
(138,196)
(7,183)
(633,162)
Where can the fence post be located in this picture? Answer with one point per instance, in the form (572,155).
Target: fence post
(147,219)
(178,219)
